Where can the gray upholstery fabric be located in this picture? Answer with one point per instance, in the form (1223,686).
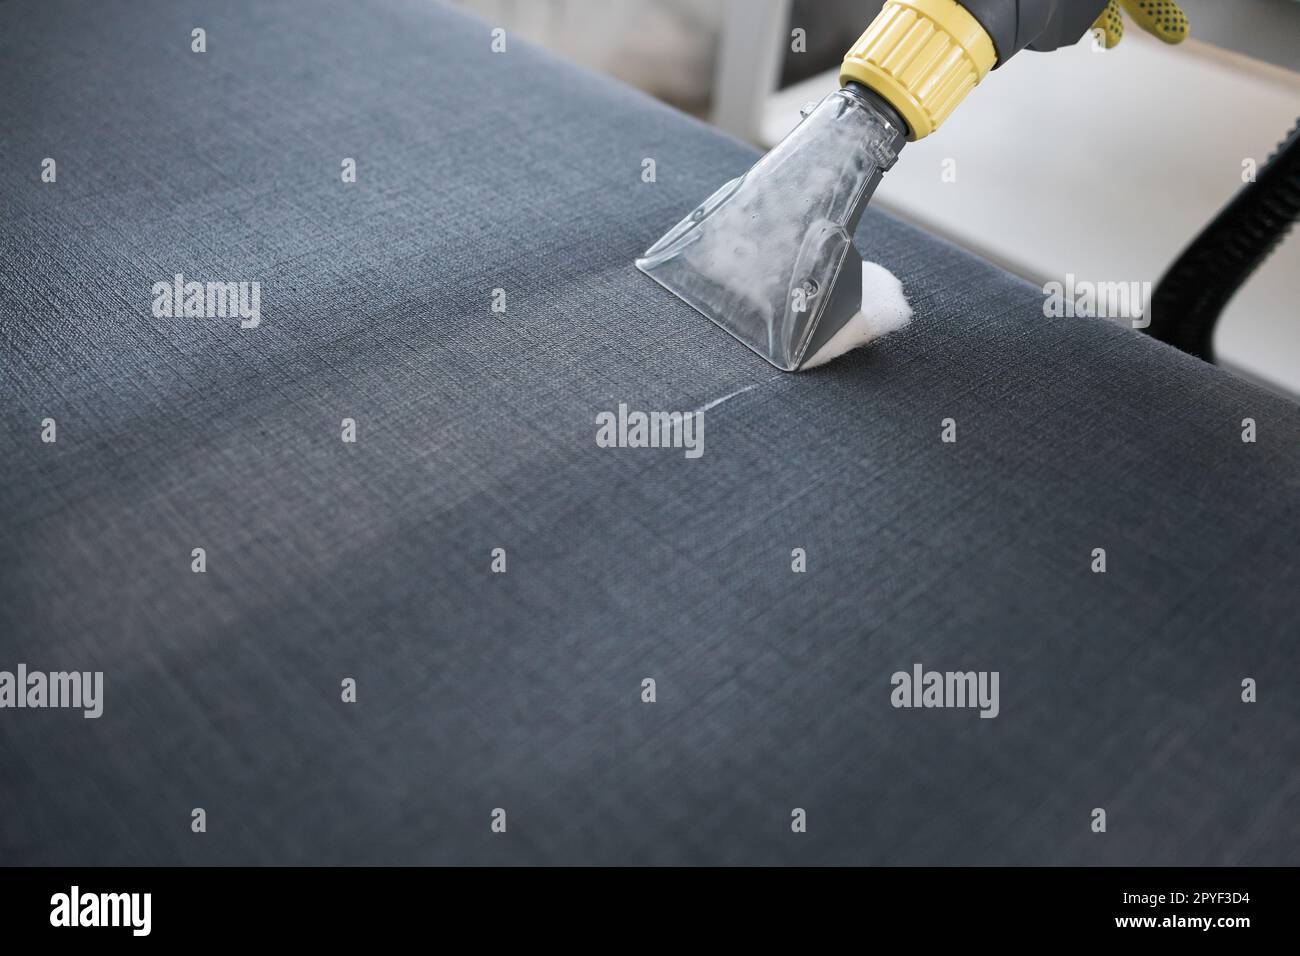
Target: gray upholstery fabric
(476,431)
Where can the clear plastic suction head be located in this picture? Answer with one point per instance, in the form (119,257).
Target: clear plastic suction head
(769,256)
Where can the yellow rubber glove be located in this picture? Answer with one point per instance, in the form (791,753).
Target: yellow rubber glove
(1161,18)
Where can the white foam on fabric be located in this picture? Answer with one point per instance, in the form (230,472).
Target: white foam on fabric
(884,310)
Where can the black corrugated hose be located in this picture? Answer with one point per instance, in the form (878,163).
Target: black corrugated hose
(1187,302)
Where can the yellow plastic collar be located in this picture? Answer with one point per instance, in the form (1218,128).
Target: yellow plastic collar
(923,56)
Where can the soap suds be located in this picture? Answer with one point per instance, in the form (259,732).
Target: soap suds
(726,398)
(884,310)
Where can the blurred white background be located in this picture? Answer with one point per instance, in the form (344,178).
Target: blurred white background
(1100,164)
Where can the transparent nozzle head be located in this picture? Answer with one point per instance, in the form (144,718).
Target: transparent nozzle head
(769,256)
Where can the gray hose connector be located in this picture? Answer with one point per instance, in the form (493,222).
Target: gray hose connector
(1039,25)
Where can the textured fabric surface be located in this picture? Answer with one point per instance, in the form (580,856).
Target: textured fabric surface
(326,560)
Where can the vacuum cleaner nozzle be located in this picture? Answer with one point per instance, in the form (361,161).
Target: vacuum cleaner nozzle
(769,256)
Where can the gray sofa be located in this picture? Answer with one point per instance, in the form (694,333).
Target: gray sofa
(372,561)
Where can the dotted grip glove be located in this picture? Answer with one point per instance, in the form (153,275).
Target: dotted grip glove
(1161,18)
